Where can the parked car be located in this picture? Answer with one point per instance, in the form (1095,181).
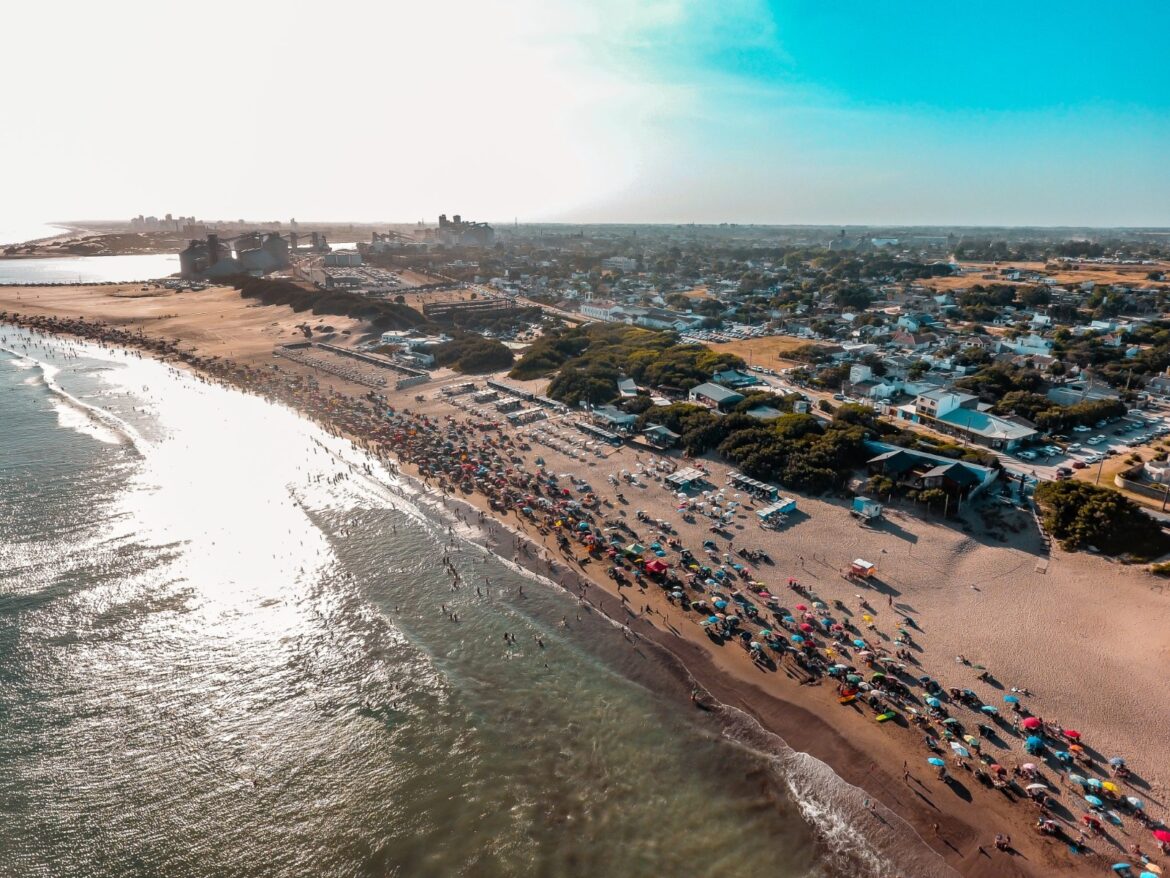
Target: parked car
(1026,455)
(1081,428)
(1095,440)
(1076,446)
(1079,464)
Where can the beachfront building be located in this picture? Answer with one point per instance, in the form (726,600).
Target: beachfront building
(714,396)
(919,471)
(613,418)
(960,414)
(660,437)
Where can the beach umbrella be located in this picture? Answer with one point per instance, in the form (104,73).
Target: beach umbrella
(796,638)
(1094,783)
(934,760)
(1033,741)
(1134,802)
(1011,699)
(820,605)
(853,678)
(1162,835)
(1072,734)
(805,627)
(1029,766)
(1031,723)
(960,749)
(789,619)
(1110,786)
(1063,755)
(859,643)
(721,604)
(988,708)
(866,617)
(1147,874)
(801,607)
(951,721)
(972,740)
(1094,801)
(1033,787)
(1122,867)
(712,619)
(1117,762)
(933,702)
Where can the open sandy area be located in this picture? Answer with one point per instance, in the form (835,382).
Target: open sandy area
(1066,274)
(770,351)
(217,321)
(1087,637)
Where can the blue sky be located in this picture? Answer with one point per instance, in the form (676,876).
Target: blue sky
(594,110)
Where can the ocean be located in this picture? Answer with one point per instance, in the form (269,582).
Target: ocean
(226,649)
(88,269)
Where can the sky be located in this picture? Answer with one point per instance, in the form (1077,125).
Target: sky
(792,112)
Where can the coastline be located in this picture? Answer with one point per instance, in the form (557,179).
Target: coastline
(867,758)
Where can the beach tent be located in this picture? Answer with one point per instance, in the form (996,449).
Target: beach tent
(655,566)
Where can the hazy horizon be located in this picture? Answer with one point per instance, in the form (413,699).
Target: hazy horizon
(673,112)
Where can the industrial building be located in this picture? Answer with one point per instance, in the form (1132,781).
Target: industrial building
(256,253)
(462,232)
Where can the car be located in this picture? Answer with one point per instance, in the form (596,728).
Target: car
(1051,450)
(1079,464)
(1064,471)
(1026,455)
(1076,446)
(1099,424)
(840,397)
(1094,440)
(1081,428)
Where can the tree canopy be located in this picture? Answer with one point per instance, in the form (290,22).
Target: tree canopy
(1080,515)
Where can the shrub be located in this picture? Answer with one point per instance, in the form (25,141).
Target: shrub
(1080,515)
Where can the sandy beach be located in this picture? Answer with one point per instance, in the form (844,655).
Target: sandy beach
(1085,636)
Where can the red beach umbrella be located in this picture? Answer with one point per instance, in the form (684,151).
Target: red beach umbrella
(1031,723)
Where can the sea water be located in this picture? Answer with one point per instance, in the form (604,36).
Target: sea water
(226,648)
(88,269)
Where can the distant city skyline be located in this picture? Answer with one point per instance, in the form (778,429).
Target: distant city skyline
(796,113)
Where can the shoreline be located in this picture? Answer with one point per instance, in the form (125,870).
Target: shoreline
(719,696)
(857,754)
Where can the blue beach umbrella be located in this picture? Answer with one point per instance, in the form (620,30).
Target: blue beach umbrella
(796,638)
(934,760)
(1094,783)
(933,702)
(1033,742)
(1135,802)
(1094,801)
(1011,699)
(860,644)
(988,708)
